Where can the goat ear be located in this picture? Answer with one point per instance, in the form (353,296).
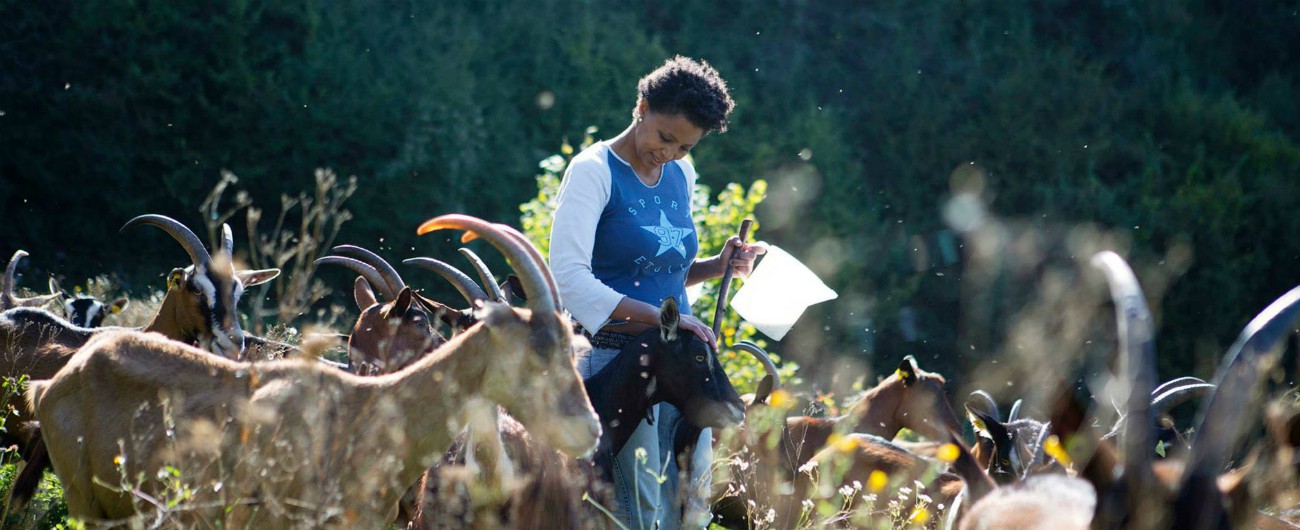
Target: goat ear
(37,301)
(176,278)
(251,278)
(989,426)
(512,287)
(764,389)
(454,319)
(400,306)
(54,286)
(907,370)
(116,306)
(363,294)
(668,319)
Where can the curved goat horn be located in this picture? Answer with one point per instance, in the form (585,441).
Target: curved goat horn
(1162,402)
(484,275)
(198,253)
(7,299)
(520,254)
(1174,383)
(461,281)
(981,401)
(365,270)
(1015,411)
(227,240)
(392,280)
(1137,350)
(761,354)
(537,258)
(1240,370)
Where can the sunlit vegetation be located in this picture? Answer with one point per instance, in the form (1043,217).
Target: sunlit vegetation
(948,167)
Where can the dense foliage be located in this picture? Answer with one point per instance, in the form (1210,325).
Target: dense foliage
(1170,122)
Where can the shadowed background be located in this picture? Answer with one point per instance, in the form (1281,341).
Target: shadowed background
(1174,124)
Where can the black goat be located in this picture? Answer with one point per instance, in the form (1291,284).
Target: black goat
(660,365)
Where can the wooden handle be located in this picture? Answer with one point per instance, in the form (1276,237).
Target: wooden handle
(726,281)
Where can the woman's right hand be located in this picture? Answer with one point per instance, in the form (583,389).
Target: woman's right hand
(690,324)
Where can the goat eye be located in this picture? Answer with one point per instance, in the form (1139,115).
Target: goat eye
(699,358)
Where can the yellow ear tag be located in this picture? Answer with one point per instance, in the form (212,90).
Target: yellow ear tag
(779,398)
(1054,449)
(174,279)
(899,373)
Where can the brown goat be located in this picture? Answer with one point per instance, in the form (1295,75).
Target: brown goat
(389,335)
(910,397)
(198,308)
(130,404)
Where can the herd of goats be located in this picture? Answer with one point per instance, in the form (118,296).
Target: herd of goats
(453,417)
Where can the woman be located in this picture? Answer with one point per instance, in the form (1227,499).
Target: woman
(623,240)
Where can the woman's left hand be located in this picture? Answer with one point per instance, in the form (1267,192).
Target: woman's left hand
(740,256)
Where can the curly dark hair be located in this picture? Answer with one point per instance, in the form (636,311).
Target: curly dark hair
(690,88)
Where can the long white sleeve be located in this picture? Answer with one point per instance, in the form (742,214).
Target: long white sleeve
(583,194)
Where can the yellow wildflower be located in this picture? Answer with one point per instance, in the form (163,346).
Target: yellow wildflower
(920,515)
(948,453)
(877,481)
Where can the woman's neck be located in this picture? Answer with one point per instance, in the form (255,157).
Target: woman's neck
(624,145)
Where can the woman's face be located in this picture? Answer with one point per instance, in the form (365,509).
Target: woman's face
(662,138)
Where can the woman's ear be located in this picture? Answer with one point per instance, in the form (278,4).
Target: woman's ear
(642,108)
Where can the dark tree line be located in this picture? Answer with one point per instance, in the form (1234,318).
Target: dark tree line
(1175,123)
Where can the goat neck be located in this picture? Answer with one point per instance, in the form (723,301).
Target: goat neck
(36,343)
(621,396)
(498,360)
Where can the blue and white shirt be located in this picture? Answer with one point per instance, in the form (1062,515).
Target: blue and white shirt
(613,236)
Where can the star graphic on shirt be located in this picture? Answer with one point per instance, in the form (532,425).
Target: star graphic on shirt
(669,235)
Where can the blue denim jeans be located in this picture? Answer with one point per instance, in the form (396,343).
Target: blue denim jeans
(644,503)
